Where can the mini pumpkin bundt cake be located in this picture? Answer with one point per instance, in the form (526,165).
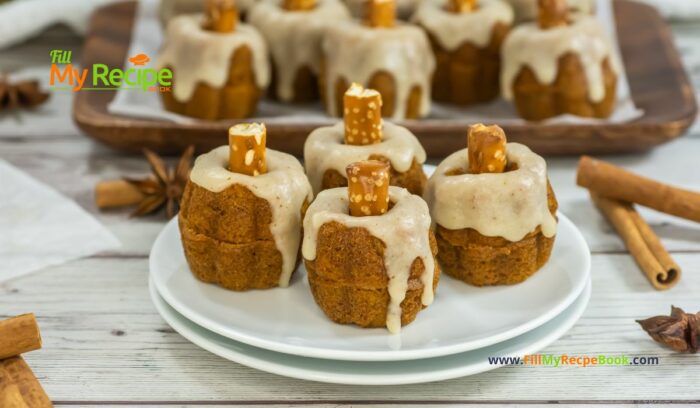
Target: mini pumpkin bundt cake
(466,36)
(560,65)
(363,135)
(526,10)
(369,251)
(294,31)
(379,53)
(493,209)
(240,216)
(220,67)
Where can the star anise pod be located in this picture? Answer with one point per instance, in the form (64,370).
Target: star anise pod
(165,186)
(20,94)
(680,330)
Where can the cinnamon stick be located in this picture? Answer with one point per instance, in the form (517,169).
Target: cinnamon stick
(116,193)
(29,387)
(615,182)
(641,241)
(10,396)
(19,335)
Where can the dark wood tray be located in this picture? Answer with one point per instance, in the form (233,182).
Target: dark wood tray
(658,83)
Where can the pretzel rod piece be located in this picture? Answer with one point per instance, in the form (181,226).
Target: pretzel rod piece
(247,148)
(220,16)
(487,149)
(368,187)
(552,13)
(299,5)
(379,13)
(362,115)
(461,6)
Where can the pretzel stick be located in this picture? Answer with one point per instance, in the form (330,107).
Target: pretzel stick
(461,6)
(379,13)
(487,149)
(19,335)
(362,115)
(220,16)
(644,246)
(299,5)
(19,372)
(615,182)
(247,148)
(552,13)
(368,187)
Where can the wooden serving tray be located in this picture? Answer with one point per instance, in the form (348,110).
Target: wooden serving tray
(658,82)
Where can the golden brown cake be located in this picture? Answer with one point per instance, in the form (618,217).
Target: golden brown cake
(379,53)
(560,65)
(367,265)
(240,216)
(294,31)
(220,67)
(493,209)
(466,37)
(363,135)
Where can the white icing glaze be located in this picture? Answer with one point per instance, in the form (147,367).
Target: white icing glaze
(197,55)
(325,150)
(356,52)
(528,45)
(526,10)
(508,205)
(294,37)
(403,229)
(451,30)
(284,187)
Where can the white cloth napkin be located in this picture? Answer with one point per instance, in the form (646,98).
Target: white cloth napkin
(147,37)
(39,227)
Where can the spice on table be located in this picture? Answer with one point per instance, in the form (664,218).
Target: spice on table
(20,94)
(615,182)
(19,335)
(163,188)
(19,388)
(641,241)
(680,331)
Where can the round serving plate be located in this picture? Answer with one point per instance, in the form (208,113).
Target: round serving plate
(374,372)
(287,320)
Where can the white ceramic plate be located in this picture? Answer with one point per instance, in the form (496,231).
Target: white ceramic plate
(287,320)
(373,372)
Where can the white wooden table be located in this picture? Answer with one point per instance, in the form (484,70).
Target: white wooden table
(104,343)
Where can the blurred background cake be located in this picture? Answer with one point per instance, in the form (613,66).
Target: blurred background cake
(562,63)
(379,53)
(220,66)
(466,37)
(294,30)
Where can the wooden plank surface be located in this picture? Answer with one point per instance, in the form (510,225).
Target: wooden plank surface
(105,345)
(658,84)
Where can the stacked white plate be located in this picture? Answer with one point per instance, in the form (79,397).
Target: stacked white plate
(282,331)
